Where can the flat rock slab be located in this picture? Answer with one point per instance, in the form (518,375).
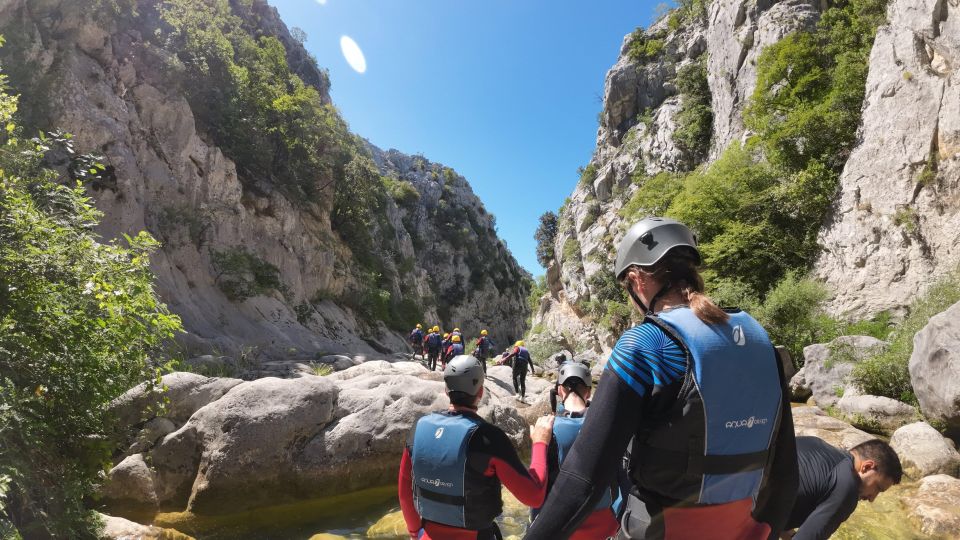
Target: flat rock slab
(812,421)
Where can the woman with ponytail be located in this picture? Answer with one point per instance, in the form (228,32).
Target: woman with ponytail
(700,392)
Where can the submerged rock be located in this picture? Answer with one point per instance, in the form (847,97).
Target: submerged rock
(118,528)
(936,506)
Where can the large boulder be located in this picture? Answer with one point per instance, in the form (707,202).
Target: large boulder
(799,389)
(935,368)
(827,366)
(131,480)
(876,413)
(274,440)
(184,392)
(813,422)
(936,506)
(923,451)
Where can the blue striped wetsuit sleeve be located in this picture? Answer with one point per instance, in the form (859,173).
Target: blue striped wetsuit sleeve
(645,357)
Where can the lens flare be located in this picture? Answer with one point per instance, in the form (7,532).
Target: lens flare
(353,54)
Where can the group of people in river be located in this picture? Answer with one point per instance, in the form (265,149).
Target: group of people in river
(436,348)
(689,434)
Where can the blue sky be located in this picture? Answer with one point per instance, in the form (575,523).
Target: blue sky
(506,92)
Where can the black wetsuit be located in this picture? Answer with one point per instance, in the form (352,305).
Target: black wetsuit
(829,489)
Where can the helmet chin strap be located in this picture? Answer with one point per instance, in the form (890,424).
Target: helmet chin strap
(653,302)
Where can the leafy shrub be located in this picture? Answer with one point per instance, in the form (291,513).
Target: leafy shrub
(588,175)
(887,374)
(644,48)
(79,322)
(653,197)
(537,290)
(592,213)
(402,191)
(793,316)
(571,250)
(545,236)
(241,274)
(695,117)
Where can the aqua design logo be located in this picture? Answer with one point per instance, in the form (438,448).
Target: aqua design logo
(438,434)
(436,482)
(746,423)
(739,337)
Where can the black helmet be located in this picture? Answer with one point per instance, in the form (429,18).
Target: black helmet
(574,370)
(652,238)
(464,374)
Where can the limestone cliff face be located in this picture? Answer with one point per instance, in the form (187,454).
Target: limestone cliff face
(896,225)
(636,136)
(109,85)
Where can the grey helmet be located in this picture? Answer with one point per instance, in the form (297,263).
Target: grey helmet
(650,239)
(574,370)
(464,374)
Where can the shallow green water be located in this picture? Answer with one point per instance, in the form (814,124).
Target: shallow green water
(374,513)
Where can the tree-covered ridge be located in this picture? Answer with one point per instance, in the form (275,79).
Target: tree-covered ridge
(79,325)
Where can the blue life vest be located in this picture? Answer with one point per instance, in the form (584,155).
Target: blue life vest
(434,341)
(523,357)
(565,431)
(485,344)
(715,444)
(456,349)
(443,489)
(416,336)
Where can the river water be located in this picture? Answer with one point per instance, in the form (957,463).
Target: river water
(373,514)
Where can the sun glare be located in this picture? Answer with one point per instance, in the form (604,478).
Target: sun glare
(353,54)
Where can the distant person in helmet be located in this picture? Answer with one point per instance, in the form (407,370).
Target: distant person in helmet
(416,340)
(454,463)
(484,347)
(433,343)
(571,398)
(834,481)
(701,392)
(454,349)
(521,362)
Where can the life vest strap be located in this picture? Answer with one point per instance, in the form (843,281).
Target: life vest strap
(712,464)
(441,497)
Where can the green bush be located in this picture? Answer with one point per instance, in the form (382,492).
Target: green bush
(653,196)
(537,290)
(644,48)
(887,374)
(695,117)
(402,191)
(793,316)
(241,274)
(571,250)
(79,323)
(588,175)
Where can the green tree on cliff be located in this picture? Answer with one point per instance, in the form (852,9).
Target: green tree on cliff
(79,320)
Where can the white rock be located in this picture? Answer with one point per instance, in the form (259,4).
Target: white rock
(935,368)
(936,506)
(923,451)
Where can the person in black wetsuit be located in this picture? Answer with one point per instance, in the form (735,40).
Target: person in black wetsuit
(521,362)
(833,481)
(701,394)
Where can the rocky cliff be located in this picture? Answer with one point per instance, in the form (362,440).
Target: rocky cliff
(892,228)
(895,227)
(273,241)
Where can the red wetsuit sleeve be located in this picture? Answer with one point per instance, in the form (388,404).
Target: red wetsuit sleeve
(528,486)
(405,493)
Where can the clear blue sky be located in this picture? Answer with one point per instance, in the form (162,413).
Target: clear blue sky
(506,92)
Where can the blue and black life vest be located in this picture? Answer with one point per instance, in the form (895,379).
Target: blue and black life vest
(565,431)
(445,490)
(416,336)
(484,344)
(456,349)
(523,358)
(713,446)
(434,341)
